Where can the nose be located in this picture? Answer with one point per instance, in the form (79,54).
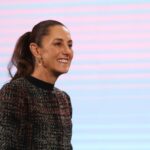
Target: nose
(67,50)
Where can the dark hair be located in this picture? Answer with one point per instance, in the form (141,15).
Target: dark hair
(22,57)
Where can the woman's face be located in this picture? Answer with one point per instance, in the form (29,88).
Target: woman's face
(56,50)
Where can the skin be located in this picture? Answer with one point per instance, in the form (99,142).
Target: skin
(54,57)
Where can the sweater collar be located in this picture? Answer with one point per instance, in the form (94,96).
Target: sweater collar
(39,83)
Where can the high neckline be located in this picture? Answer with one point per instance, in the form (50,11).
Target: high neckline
(39,83)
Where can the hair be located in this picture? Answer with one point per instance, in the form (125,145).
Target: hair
(22,57)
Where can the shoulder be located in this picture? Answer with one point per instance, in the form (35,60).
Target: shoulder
(61,93)
(64,98)
(12,88)
(13,84)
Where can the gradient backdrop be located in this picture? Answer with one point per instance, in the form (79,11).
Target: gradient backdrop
(109,80)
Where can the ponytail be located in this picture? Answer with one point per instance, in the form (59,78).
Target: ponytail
(22,58)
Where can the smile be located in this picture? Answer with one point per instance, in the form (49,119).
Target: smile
(65,61)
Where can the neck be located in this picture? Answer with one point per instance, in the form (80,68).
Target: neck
(44,76)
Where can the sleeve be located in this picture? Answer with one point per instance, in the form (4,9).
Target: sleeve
(69,103)
(11,118)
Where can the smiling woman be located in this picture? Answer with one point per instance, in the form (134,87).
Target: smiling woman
(34,113)
(54,54)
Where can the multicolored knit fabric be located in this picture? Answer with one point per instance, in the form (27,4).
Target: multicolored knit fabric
(34,115)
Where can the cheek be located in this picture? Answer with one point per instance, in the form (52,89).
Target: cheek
(47,54)
(47,58)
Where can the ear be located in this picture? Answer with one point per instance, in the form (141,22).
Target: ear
(35,50)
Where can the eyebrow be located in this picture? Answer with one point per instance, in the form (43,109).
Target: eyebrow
(59,39)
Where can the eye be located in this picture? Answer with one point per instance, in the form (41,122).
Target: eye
(70,45)
(58,44)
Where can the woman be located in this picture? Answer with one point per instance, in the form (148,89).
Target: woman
(35,115)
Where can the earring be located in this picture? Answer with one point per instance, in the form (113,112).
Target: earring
(39,61)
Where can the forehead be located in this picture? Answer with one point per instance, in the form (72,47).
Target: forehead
(59,32)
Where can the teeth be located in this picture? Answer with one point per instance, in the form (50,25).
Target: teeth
(63,60)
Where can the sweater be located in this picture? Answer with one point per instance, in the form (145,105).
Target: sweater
(34,115)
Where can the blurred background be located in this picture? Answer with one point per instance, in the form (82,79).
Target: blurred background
(109,80)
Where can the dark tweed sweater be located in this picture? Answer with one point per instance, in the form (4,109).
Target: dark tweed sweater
(34,115)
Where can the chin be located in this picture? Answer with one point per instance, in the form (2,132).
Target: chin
(65,71)
(58,73)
